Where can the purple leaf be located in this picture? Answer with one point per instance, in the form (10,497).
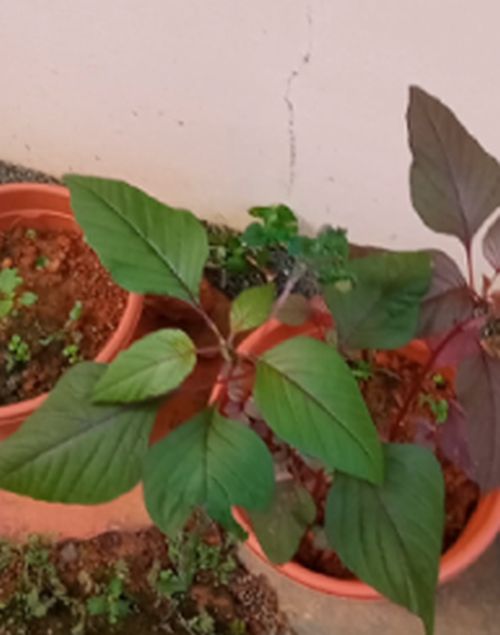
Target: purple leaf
(448,300)
(455,184)
(491,245)
(452,439)
(478,389)
(465,343)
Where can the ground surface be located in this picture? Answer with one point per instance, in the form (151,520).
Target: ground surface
(469,605)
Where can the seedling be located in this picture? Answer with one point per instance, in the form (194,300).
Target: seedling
(10,281)
(18,352)
(41,263)
(439,407)
(114,603)
(72,353)
(32,234)
(76,311)
(303,388)
(362,369)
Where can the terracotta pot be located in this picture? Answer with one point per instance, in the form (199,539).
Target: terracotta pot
(48,207)
(476,538)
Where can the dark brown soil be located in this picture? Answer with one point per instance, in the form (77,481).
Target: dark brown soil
(72,572)
(62,271)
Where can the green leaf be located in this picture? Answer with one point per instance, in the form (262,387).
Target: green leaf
(307,394)
(28,298)
(209,461)
(6,307)
(281,527)
(151,367)
(279,226)
(71,451)
(391,535)
(381,309)
(148,247)
(76,311)
(252,308)
(455,183)
(9,281)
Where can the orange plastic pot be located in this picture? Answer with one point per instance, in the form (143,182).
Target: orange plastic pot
(48,207)
(475,539)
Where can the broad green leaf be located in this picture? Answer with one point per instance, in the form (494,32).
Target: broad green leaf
(151,367)
(455,183)
(478,390)
(252,308)
(381,308)
(491,245)
(209,461)
(148,247)
(391,535)
(281,527)
(71,451)
(448,300)
(308,396)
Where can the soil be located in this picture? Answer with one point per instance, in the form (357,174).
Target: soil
(60,579)
(64,273)
(392,380)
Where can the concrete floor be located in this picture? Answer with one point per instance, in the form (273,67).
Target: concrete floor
(469,605)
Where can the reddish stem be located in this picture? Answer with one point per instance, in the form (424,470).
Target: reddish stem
(470,268)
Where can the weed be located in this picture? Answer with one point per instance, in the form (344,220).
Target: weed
(76,311)
(438,406)
(10,280)
(72,353)
(362,370)
(202,624)
(28,298)
(18,352)
(113,603)
(31,234)
(41,263)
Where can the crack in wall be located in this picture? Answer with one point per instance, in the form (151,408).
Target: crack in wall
(290,104)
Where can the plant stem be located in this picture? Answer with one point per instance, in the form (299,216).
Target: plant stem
(223,345)
(456,330)
(295,276)
(470,268)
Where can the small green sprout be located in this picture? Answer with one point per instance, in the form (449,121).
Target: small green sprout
(31,234)
(41,262)
(18,352)
(76,312)
(439,407)
(202,624)
(72,353)
(114,601)
(362,370)
(28,298)
(10,280)
(439,380)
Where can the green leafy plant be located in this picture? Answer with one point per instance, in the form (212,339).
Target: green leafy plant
(10,281)
(113,603)
(72,353)
(382,498)
(18,352)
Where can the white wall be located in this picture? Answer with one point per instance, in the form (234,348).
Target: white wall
(193,99)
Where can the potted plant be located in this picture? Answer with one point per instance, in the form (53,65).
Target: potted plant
(289,437)
(57,304)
